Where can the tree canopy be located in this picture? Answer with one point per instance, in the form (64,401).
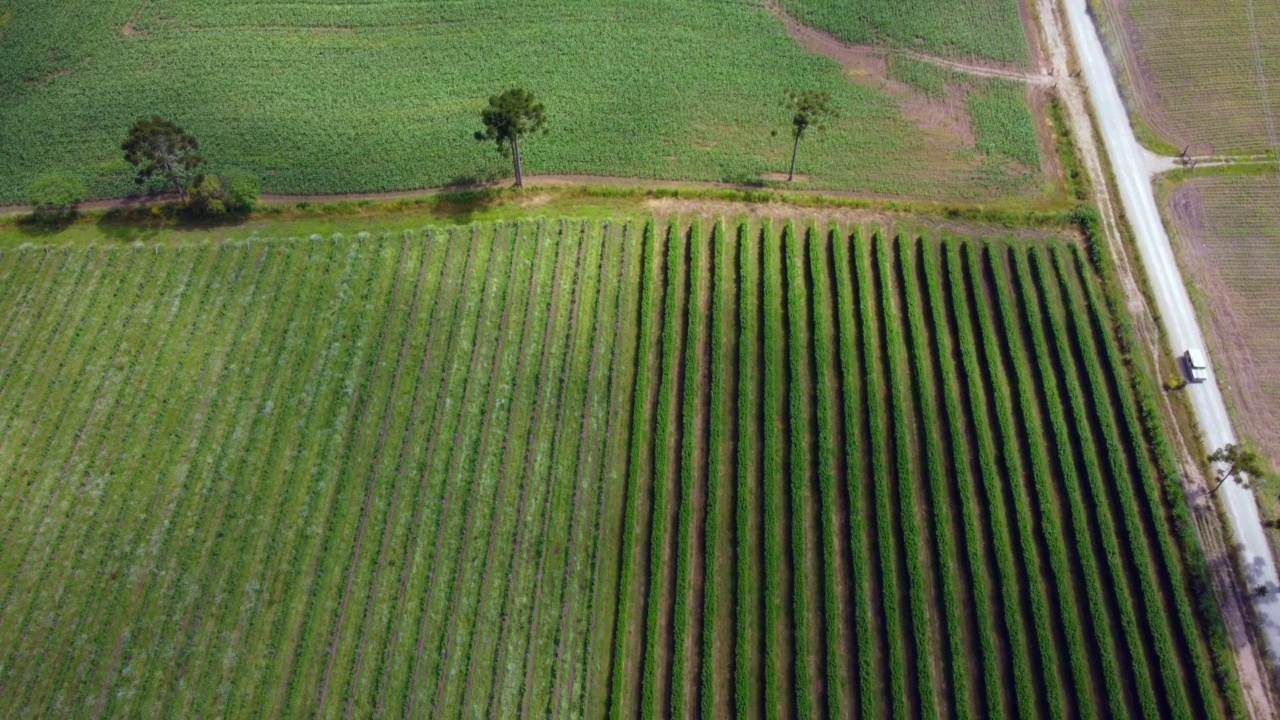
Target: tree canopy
(1239,463)
(809,109)
(158,147)
(509,117)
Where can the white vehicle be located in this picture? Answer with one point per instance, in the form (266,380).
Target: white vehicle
(1197,365)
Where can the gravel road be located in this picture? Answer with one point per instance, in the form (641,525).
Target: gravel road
(1176,312)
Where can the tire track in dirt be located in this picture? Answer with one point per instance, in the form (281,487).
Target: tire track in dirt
(450,629)
(438,416)
(584,472)
(388,413)
(505,466)
(454,455)
(570,331)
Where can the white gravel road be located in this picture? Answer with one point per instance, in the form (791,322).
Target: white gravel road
(1128,161)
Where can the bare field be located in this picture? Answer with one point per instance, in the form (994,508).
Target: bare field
(1228,240)
(1201,74)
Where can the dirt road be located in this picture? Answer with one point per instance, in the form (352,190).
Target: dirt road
(1128,162)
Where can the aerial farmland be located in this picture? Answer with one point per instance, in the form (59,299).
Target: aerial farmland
(604,359)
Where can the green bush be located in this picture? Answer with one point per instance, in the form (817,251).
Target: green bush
(56,193)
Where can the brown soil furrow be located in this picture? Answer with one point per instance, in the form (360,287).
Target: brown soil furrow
(572,316)
(504,467)
(415,407)
(454,453)
(449,635)
(613,415)
(441,403)
(387,414)
(584,472)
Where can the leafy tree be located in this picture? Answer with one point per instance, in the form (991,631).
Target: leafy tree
(1240,463)
(207,195)
(509,117)
(242,190)
(56,193)
(809,109)
(158,147)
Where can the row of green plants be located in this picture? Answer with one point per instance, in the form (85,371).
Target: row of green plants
(1144,420)
(524,582)
(1027,395)
(804,603)
(118,329)
(856,446)
(127,412)
(919,596)
(479,679)
(1105,395)
(654,702)
(690,419)
(748,517)
(777,658)
(631,524)
(173,604)
(957,436)
(1027,322)
(827,391)
(481,368)
(1111,550)
(977,378)
(1100,594)
(924,382)
(568,671)
(722,330)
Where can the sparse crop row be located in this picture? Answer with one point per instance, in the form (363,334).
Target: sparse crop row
(721,324)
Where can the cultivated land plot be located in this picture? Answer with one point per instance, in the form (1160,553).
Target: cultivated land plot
(1229,243)
(379,95)
(562,469)
(970,29)
(1204,75)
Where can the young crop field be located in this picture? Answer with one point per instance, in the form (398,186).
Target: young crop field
(568,469)
(342,97)
(971,29)
(1228,242)
(1204,75)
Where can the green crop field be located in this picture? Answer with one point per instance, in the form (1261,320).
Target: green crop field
(981,29)
(379,95)
(575,469)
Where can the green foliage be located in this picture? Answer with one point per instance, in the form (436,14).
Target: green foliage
(159,148)
(1002,122)
(56,193)
(989,29)
(242,191)
(655,92)
(360,469)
